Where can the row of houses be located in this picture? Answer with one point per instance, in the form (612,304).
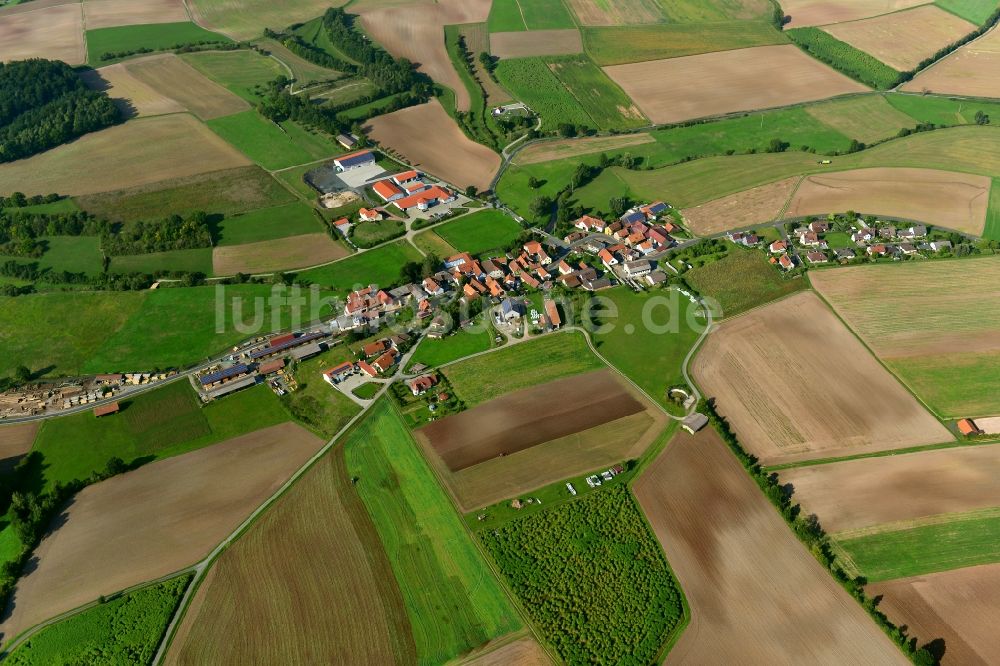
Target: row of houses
(407,191)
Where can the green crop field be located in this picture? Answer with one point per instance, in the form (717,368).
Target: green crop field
(265,143)
(197,260)
(531,81)
(543,360)
(453,600)
(583,570)
(158,37)
(481,231)
(435,352)
(546,15)
(617,45)
(219,192)
(992,228)
(367,391)
(159,424)
(370,234)
(853,62)
(505,16)
(740,281)
(697,11)
(380,266)
(319,406)
(65,205)
(431,243)
(977,11)
(964,542)
(650,355)
(239,71)
(268,223)
(124,630)
(942,110)
(76,254)
(598,95)
(867,118)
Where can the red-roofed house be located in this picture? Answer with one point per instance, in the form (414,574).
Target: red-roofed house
(370,214)
(432,288)
(425,199)
(552,312)
(342,225)
(607,258)
(588,223)
(388,190)
(779,246)
(786,262)
(406,177)
(385,361)
(367,368)
(422,384)
(528,280)
(338,372)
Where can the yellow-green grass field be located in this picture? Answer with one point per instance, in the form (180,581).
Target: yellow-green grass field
(548,358)
(224,192)
(380,266)
(740,281)
(947,349)
(316,404)
(248,18)
(867,118)
(517,15)
(265,143)
(268,224)
(992,229)
(453,601)
(239,71)
(480,232)
(618,45)
(431,243)
(76,254)
(196,260)
(434,352)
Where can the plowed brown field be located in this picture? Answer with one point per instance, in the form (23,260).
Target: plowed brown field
(711,84)
(954,200)
(971,70)
(314,567)
(522,652)
(743,209)
(15,441)
(958,606)
(522,419)
(154,521)
(904,39)
(54,32)
(822,12)
(280,254)
(863,493)
(756,594)
(796,385)
(416,31)
(428,138)
(110,13)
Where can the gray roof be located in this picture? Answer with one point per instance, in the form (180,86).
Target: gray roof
(305,351)
(695,421)
(232,386)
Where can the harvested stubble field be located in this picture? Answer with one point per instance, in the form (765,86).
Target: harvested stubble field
(823,12)
(710,84)
(524,418)
(54,32)
(743,209)
(154,521)
(904,39)
(132,96)
(535,43)
(416,31)
(111,13)
(796,385)
(958,606)
(179,81)
(451,155)
(247,19)
(953,200)
(970,71)
(566,148)
(279,254)
(857,494)
(949,358)
(278,575)
(140,152)
(867,118)
(524,651)
(15,441)
(755,592)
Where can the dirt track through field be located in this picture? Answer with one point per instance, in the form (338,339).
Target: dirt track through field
(871,491)
(53,32)
(822,12)
(535,43)
(279,254)
(15,441)
(709,84)
(971,70)
(180,81)
(153,521)
(139,152)
(953,200)
(111,13)
(958,606)
(416,31)
(743,209)
(904,39)
(429,139)
(796,385)
(756,594)
(522,419)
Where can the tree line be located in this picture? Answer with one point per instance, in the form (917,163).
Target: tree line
(43,103)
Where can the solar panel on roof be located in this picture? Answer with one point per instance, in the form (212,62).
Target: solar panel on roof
(219,375)
(267,351)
